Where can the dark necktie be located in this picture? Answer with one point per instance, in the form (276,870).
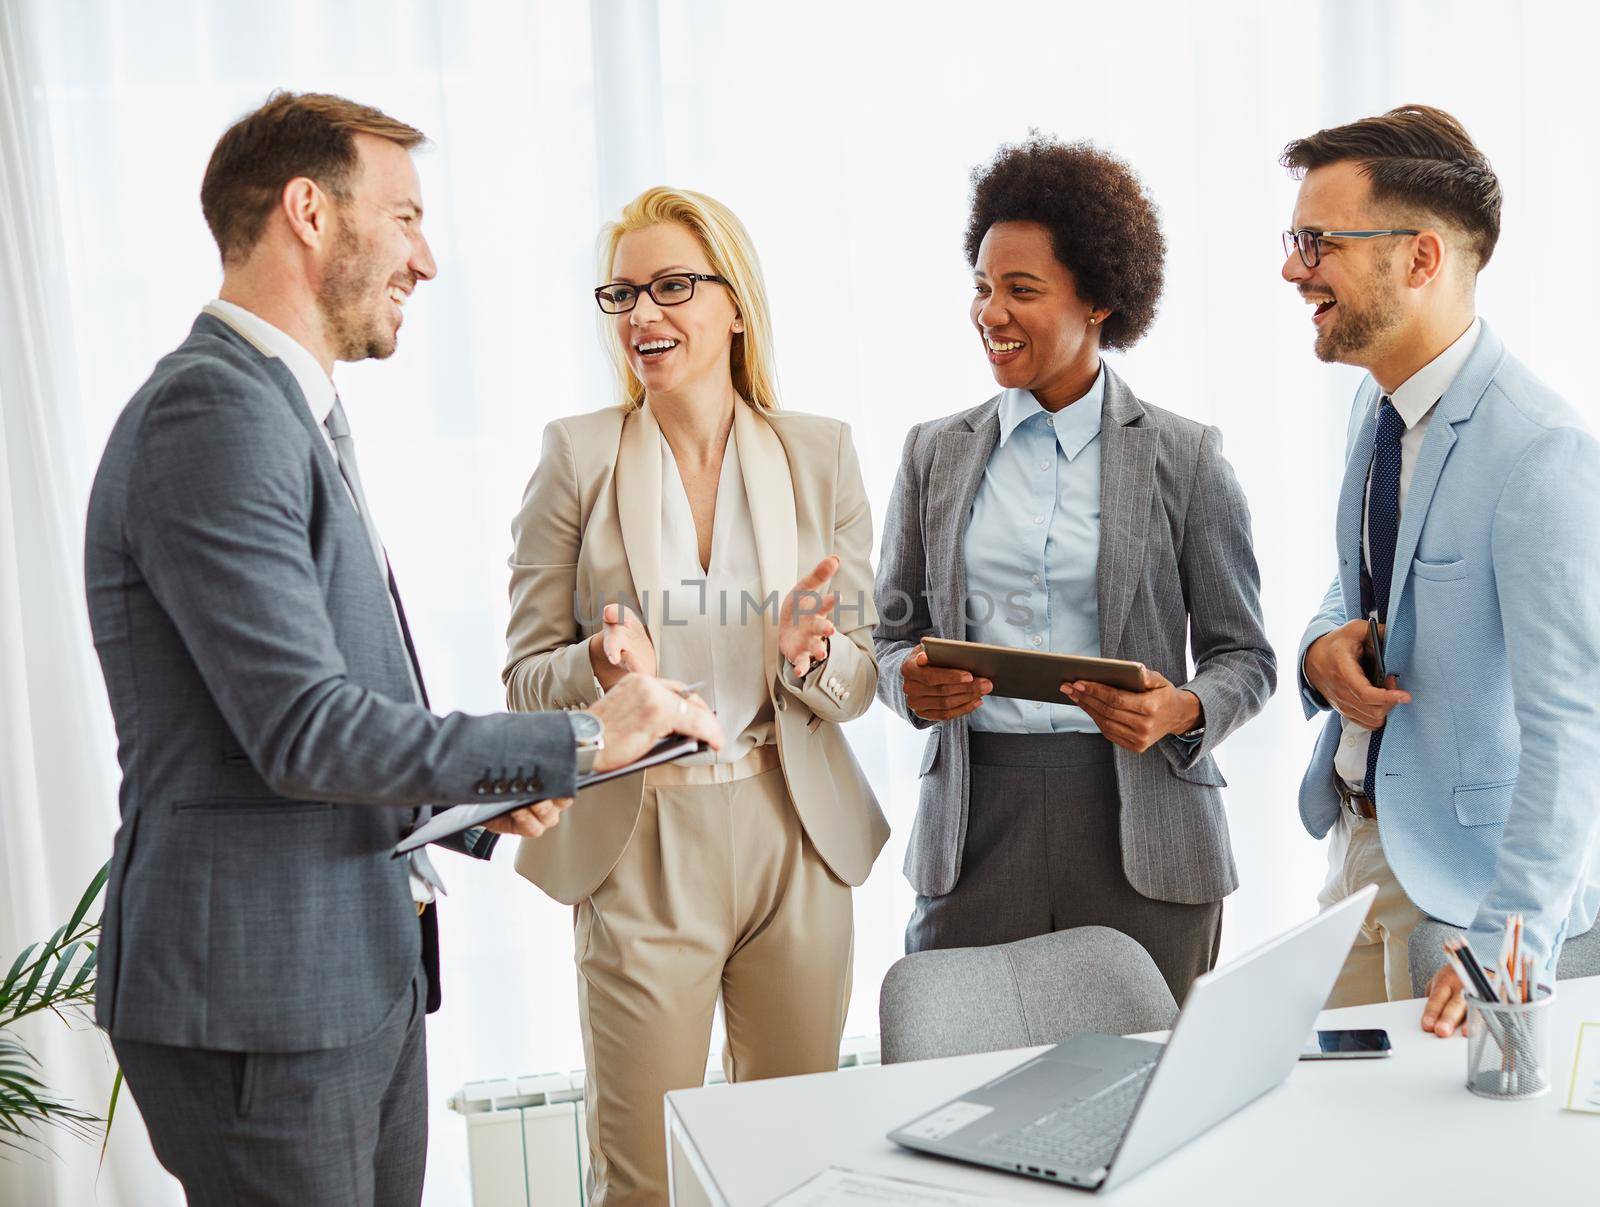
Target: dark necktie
(1383,531)
(344,451)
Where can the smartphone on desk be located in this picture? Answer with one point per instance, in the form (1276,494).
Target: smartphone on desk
(1346,1045)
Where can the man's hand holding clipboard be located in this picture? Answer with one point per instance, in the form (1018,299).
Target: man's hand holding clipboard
(637,716)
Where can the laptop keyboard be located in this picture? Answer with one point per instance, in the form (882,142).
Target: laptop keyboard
(1082,1135)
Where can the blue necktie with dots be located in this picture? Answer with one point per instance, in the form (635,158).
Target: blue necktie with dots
(1383,532)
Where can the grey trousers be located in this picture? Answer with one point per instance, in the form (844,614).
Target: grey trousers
(1043,853)
(343,1127)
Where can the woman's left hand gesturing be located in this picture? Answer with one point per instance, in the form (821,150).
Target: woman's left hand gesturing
(1136,721)
(803,624)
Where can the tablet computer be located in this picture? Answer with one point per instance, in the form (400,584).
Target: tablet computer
(1032,674)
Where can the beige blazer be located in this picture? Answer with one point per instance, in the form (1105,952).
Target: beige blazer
(589,532)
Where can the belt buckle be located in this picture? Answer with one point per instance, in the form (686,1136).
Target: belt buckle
(422,907)
(1348,798)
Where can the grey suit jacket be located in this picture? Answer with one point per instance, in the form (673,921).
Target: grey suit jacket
(1175,562)
(272,753)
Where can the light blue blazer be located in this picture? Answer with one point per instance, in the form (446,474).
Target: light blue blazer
(1489,780)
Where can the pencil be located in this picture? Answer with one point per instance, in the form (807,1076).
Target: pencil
(1516,955)
(1468,985)
(1480,978)
(1505,970)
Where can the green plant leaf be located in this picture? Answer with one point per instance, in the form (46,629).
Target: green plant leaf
(80,986)
(8,987)
(63,964)
(111,1113)
(89,894)
(68,959)
(20,1006)
(25,1105)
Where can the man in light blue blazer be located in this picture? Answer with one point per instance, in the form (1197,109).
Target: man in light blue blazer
(1467,786)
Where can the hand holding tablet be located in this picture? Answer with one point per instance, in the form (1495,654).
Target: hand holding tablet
(1133,706)
(1032,674)
(937,693)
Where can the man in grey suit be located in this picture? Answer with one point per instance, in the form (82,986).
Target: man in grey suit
(1067,515)
(266,962)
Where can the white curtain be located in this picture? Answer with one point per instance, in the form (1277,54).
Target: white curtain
(57,752)
(843,134)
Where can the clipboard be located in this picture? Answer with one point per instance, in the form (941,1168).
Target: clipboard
(1032,674)
(464,817)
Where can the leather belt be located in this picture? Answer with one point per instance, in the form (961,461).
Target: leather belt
(759,761)
(1357,804)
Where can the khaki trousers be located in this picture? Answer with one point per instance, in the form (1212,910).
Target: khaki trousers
(1378,968)
(718,892)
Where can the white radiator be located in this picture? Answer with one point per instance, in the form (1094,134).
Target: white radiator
(525,1136)
(525,1140)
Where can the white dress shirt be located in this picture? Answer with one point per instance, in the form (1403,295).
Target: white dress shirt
(1032,549)
(1415,400)
(317,387)
(709,634)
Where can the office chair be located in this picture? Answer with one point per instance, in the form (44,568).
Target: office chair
(1580,955)
(1014,995)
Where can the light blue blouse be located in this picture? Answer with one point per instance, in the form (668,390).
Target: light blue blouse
(1033,548)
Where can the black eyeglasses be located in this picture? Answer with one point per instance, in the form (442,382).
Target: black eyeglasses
(1309,243)
(674,289)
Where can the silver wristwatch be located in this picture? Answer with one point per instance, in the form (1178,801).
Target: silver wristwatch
(589,736)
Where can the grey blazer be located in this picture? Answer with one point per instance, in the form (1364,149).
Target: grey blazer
(271,750)
(1175,563)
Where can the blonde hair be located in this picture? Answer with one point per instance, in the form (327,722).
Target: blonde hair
(733,258)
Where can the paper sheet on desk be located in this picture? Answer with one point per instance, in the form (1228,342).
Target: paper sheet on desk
(1583,1090)
(837,1187)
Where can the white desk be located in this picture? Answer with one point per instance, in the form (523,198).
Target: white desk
(1362,1133)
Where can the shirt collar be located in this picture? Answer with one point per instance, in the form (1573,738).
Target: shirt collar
(1417,394)
(1075,426)
(316,385)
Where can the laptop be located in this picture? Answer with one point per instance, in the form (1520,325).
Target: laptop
(1096,1110)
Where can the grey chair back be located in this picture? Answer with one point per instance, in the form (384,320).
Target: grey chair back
(1015,995)
(1580,955)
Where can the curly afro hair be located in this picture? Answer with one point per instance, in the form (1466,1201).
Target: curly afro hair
(1103,227)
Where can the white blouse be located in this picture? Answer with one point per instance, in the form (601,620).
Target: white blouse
(712,624)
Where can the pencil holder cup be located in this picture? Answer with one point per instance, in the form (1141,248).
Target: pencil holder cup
(1508,1047)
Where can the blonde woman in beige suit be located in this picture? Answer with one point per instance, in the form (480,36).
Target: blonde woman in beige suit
(698,532)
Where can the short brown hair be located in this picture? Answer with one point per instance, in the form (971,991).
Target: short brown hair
(309,134)
(1416,156)
(1103,227)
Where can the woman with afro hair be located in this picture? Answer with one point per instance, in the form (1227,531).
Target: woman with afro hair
(1065,514)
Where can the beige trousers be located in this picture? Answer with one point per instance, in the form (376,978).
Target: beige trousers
(718,892)
(1378,968)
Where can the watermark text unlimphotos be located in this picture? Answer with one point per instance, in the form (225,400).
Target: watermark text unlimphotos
(674,607)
